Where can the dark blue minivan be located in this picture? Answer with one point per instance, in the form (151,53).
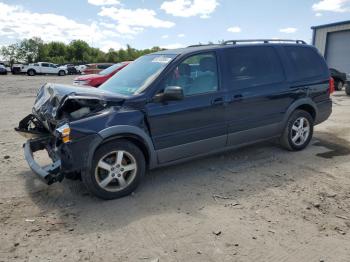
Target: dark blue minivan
(175,105)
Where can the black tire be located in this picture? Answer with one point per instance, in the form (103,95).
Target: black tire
(90,178)
(61,73)
(31,72)
(289,132)
(347,89)
(339,85)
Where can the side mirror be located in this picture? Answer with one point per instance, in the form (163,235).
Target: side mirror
(171,93)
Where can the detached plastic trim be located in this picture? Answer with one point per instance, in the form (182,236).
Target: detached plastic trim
(48,174)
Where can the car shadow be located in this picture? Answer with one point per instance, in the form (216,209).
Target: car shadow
(188,188)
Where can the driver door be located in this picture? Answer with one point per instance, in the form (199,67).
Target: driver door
(53,69)
(194,125)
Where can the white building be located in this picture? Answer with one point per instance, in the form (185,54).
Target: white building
(333,41)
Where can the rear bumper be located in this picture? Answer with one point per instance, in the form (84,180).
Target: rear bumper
(48,174)
(324,110)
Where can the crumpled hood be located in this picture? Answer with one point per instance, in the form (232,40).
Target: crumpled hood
(55,102)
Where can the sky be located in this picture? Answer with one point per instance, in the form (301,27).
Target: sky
(165,23)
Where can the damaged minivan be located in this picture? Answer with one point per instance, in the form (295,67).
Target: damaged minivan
(175,105)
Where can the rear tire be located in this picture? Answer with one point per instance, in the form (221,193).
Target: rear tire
(339,86)
(347,89)
(298,131)
(31,72)
(117,169)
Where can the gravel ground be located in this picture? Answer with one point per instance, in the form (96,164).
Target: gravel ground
(259,203)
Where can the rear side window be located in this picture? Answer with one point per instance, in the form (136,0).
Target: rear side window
(253,66)
(306,62)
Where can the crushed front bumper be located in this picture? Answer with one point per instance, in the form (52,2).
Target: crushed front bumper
(48,174)
(68,160)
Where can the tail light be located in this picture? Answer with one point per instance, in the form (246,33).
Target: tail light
(331,85)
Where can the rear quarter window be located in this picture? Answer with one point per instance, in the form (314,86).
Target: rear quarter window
(253,66)
(306,62)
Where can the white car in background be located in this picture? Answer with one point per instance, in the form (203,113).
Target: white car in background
(80,68)
(44,68)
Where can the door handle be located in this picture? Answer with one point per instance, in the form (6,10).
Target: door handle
(218,101)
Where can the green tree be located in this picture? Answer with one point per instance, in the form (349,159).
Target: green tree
(112,56)
(56,49)
(29,49)
(78,51)
(123,56)
(10,53)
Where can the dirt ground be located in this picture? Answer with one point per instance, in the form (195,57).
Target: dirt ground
(259,203)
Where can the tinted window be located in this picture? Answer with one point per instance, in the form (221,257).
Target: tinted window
(44,65)
(305,61)
(103,66)
(52,65)
(196,74)
(253,66)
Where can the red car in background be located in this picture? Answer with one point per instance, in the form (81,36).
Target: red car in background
(95,68)
(96,80)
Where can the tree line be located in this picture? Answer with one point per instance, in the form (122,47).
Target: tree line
(78,52)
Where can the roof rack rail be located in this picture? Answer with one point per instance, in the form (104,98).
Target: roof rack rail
(198,45)
(265,41)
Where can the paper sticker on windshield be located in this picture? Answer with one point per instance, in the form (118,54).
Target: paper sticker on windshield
(161,59)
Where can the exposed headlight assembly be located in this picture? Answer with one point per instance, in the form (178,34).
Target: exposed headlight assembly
(64,133)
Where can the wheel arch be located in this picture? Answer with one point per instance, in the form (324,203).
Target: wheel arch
(305,104)
(308,108)
(135,135)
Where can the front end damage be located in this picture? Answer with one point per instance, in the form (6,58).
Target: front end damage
(48,128)
(39,138)
(49,173)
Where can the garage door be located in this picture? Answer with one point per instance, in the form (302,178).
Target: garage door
(338,51)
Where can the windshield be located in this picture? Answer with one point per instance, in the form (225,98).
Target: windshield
(135,77)
(110,69)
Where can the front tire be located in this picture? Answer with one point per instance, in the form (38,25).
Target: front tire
(117,169)
(31,72)
(298,131)
(61,73)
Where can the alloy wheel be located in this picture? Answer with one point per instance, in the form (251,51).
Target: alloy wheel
(300,131)
(115,171)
